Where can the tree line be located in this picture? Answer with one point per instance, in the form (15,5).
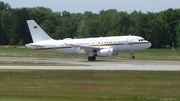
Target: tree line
(161,28)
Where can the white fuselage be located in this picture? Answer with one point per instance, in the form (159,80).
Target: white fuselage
(117,43)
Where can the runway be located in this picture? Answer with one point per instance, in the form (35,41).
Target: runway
(93,65)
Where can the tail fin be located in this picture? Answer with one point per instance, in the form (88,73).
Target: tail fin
(37,33)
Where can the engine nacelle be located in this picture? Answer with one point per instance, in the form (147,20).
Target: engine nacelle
(81,52)
(106,52)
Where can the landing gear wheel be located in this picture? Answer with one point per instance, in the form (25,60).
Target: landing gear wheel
(91,58)
(133,57)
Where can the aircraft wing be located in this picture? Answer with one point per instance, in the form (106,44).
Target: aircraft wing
(85,48)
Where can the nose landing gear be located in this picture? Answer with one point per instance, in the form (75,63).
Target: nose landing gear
(133,57)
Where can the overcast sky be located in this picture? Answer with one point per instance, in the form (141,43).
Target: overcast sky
(80,6)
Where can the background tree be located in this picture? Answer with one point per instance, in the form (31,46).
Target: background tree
(4,6)
(160,28)
(2,34)
(170,19)
(178,35)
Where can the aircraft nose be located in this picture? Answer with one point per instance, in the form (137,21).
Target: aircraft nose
(149,44)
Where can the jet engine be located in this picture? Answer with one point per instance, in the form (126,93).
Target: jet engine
(81,52)
(106,52)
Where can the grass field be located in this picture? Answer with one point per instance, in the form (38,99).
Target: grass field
(37,85)
(148,54)
(36,64)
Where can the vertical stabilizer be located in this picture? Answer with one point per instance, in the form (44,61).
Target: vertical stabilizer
(37,33)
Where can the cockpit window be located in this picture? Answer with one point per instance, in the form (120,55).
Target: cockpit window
(141,40)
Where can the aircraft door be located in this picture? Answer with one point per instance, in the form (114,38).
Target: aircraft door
(99,44)
(53,45)
(131,41)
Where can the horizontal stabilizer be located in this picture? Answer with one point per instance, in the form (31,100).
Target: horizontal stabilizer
(34,46)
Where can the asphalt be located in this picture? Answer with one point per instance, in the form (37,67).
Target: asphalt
(94,65)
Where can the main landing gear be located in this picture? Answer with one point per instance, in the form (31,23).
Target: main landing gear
(91,58)
(133,57)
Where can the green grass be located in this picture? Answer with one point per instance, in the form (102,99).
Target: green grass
(36,64)
(37,85)
(148,54)
(25,52)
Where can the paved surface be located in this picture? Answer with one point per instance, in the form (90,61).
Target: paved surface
(94,65)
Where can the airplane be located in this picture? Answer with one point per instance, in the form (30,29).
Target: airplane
(94,47)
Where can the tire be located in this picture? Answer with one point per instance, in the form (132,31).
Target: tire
(133,57)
